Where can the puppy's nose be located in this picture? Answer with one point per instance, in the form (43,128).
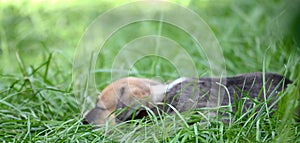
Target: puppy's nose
(87,116)
(85,122)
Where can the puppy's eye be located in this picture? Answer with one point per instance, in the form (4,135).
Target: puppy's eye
(122,91)
(97,100)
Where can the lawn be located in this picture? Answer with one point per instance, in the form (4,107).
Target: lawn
(46,64)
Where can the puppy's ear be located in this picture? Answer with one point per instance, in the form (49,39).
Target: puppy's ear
(132,95)
(131,99)
(142,91)
(137,94)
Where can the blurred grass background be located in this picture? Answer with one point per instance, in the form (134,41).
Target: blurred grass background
(38,40)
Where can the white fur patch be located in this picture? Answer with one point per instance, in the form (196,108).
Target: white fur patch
(175,82)
(158,92)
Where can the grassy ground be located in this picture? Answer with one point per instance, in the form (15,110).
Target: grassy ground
(38,41)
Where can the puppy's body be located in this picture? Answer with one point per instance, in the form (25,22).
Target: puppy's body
(136,94)
(194,93)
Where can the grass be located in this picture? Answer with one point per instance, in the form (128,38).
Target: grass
(40,104)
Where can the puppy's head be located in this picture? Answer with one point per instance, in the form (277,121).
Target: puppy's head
(131,93)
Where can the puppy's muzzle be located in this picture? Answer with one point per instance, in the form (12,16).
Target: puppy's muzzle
(94,116)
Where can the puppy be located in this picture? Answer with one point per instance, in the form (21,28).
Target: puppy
(130,96)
